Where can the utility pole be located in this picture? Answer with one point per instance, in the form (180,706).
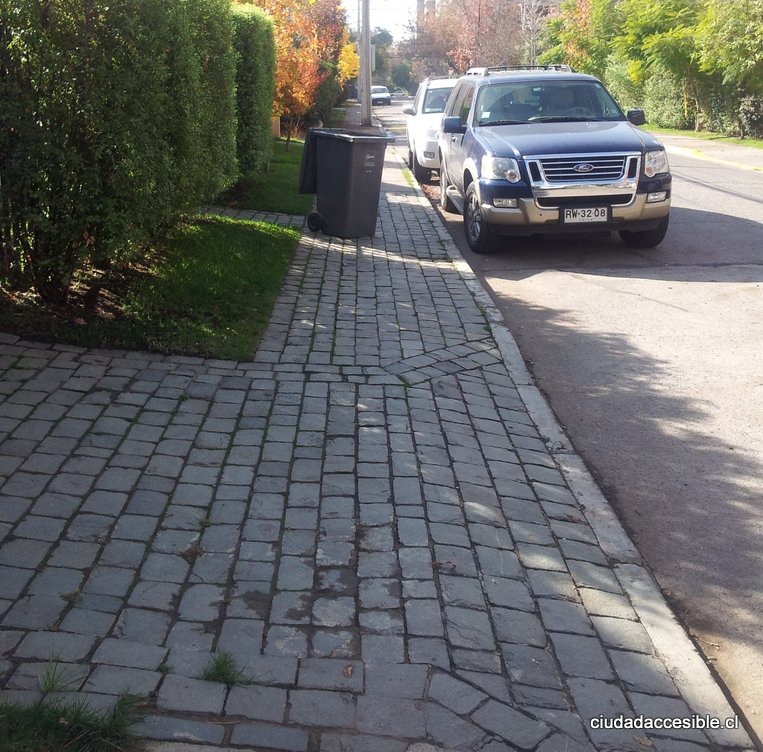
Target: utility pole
(364,81)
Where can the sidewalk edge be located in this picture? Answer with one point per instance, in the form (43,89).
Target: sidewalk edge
(694,680)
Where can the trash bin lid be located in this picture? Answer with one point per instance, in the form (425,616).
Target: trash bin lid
(371,135)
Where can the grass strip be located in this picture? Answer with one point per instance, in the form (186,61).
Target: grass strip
(275,191)
(60,726)
(208,291)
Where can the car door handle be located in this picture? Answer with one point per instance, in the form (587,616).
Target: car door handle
(453,139)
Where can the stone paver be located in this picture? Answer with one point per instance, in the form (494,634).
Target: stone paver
(363,520)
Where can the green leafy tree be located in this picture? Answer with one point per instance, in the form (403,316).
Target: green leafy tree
(581,35)
(730,40)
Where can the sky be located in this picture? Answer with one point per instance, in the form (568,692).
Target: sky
(392,15)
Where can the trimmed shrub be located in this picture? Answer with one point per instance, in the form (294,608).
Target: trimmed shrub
(255,87)
(664,101)
(116,118)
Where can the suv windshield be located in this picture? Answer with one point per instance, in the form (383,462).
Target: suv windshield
(544,101)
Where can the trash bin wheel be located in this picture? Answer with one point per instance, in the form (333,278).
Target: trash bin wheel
(315,221)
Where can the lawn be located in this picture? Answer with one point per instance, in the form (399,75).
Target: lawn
(709,136)
(208,291)
(278,191)
(58,726)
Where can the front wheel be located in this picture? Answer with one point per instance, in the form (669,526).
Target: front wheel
(645,238)
(479,235)
(445,202)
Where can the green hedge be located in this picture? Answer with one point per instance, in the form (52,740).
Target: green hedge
(116,118)
(255,87)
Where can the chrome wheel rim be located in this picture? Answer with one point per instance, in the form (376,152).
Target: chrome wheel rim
(473,217)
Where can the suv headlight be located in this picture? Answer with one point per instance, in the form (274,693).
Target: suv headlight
(505,168)
(655,162)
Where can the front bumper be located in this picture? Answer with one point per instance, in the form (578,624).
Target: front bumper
(428,154)
(542,214)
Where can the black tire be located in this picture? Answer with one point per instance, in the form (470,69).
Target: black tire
(410,159)
(479,235)
(315,222)
(445,202)
(645,238)
(422,174)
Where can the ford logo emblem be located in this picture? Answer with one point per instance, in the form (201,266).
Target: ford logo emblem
(583,167)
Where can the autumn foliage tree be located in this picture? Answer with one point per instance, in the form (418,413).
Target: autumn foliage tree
(466,33)
(310,36)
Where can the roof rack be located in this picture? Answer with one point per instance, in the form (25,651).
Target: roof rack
(509,68)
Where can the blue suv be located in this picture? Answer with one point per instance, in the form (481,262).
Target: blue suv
(539,150)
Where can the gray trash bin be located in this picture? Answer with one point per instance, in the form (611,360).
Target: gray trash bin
(343,168)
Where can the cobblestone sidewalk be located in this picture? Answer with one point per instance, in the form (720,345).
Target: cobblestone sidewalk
(365,517)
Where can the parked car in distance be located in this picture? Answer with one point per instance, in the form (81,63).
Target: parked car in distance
(380,95)
(423,126)
(546,150)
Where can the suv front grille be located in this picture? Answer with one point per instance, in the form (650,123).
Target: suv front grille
(584,168)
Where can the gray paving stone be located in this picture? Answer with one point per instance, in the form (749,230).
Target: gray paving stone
(181,693)
(312,707)
(286,641)
(454,694)
(462,591)
(295,573)
(516,728)
(382,649)
(565,616)
(142,625)
(291,607)
(178,729)
(257,703)
(87,621)
(242,638)
(125,652)
(360,743)
(114,680)
(37,612)
(623,634)
(13,581)
(602,603)
(508,593)
(519,627)
(429,650)
(423,618)
(331,674)
(468,628)
(60,646)
(445,727)
(266,736)
(642,673)
(531,665)
(579,655)
(551,584)
(389,716)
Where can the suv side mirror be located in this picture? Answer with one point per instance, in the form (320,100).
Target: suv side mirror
(637,117)
(453,124)
(409,109)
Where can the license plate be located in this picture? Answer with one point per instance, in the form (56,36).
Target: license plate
(583,214)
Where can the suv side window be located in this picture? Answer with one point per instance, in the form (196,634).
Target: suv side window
(460,102)
(464,103)
(419,99)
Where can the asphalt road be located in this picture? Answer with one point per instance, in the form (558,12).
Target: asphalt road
(653,362)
